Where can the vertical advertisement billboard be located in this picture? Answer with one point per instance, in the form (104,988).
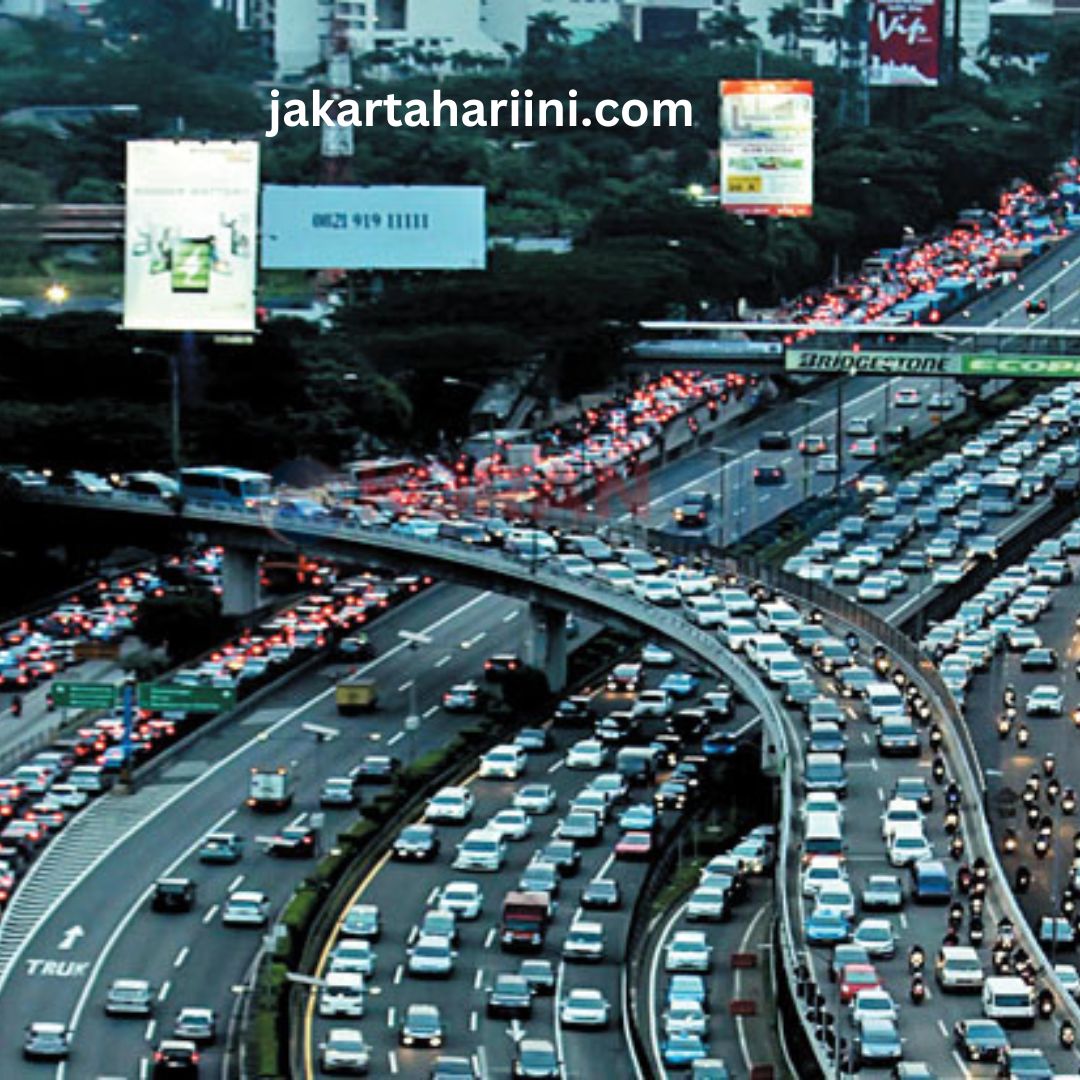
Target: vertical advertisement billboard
(767,147)
(905,42)
(190,235)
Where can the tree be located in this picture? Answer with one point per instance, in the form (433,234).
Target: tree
(184,623)
(787,23)
(833,31)
(513,53)
(547,32)
(730,28)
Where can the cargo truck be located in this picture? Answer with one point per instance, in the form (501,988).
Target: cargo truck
(525,917)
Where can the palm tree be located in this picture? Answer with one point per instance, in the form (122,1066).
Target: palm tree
(832,31)
(548,30)
(730,28)
(513,53)
(787,22)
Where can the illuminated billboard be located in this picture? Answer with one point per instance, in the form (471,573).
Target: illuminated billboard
(767,147)
(189,242)
(905,42)
(374,228)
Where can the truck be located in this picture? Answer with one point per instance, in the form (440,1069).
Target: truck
(525,917)
(356,695)
(1015,258)
(270,788)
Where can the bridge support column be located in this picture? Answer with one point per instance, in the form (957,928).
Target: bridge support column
(548,644)
(239,582)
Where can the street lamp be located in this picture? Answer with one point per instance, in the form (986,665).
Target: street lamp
(57,293)
(806,403)
(723,453)
(174,400)
(453,380)
(413,640)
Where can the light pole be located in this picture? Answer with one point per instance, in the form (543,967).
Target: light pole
(724,453)
(453,380)
(807,404)
(174,401)
(413,639)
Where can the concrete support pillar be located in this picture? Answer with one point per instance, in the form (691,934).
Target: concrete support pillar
(239,582)
(548,643)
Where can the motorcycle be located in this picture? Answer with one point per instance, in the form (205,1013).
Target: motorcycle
(918,990)
(1049,763)
(1023,736)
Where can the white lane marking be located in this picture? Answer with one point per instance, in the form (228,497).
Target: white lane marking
(478,979)
(406,685)
(391,1057)
(235,883)
(163,993)
(942,1028)
(151,1027)
(740,1022)
(430,712)
(560,1050)
(510,616)
(210,913)
(489,938)
(443,660)
(144,1068)
(398,972)
(474,1021)
(181,956)
(605,868)
(395,739)
(390,1016)
(556,767)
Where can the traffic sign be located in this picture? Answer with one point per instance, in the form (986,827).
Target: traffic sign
(84,695)
(933,365)
(171,697)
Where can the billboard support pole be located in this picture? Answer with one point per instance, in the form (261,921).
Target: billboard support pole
(174,411)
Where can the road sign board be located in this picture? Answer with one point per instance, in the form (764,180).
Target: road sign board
(933,365)
(169,697)
(84,695)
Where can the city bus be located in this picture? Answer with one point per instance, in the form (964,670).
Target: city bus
(226,485)
(999,494)
(380,476)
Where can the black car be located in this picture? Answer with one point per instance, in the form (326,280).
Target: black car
(497,667)
(774,440)
(534,739)
(601,894)
(173,894)
(376,769)
(672,795)
(980,1040)
(356,647)
(539,974)
(510,995)
(564,854)
(421,1026)
(769,475)
(176,1059)
(917,789)
(574,711)
(693,511)
(416,843)
(294,842)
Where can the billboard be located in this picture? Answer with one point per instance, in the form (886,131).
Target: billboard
(905,42)
(374,228)
(189,238)
(932,365)
(767,147)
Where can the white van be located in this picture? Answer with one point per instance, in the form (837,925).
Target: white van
(959,968)
(482,849)
(505,762)
(884,699)
(1008,1000)
(342,994)
(824,835)
(763,645)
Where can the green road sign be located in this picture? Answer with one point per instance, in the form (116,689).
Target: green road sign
(169,697)
(84,695)
(933,365)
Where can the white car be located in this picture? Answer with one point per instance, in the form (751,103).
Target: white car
(535,798)
(908,846)
(837,897)
(655,655)
(685,1017)
(898,813)
(353,954)
(1070,979)
(1045,700)
(247,908)
(346,1051)
(585,1008)
(431,956)
(656,590)
(873,590)
(949,573)
(464,898)
(652,703)
(688,950)
(453,804)
(822,802)
(506,762)
(877,1004)
(876,937)
(586,754)
(511,824)
(823,871)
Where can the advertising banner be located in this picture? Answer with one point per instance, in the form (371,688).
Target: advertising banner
(767,147)
(189,243)
(990,365)
(905,42)
(374,228)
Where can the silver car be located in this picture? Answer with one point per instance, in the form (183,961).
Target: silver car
(46,1041)
(129,997)
(585,1008)
(345,1051)
(432,956)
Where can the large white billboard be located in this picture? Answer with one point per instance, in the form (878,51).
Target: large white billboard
(374,228)
(767,147)
(190,232)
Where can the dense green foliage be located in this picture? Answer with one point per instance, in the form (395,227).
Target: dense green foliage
(642,248)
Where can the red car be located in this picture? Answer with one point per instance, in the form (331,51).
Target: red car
(855,978)
(634,845)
